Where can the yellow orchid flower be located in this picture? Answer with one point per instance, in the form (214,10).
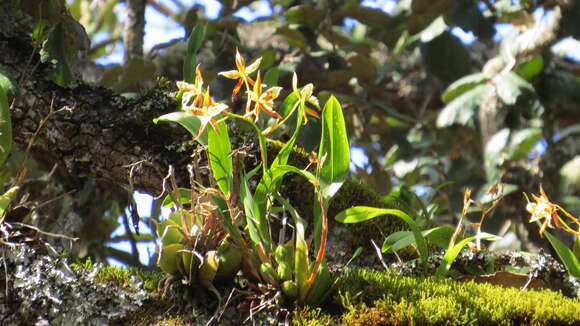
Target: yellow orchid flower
(242,74)
(544,209)
(263,101)
(206,109)
(305,96)
(191,91)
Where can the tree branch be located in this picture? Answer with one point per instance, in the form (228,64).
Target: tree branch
(134,30)
(94,132)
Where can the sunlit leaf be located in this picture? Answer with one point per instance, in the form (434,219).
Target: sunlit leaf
(569,259)
(510,87)
(190,122)
(531,68)
(168,232)
(334,148)
(10,89)
(185,197)
(397,241)
(463,85)
(359,214)
(256,223)
(452,253)
(522,142)
(493,153)
(461,110)
(6,199)
(219,151)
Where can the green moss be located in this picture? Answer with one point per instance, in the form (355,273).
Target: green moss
(122,276)
(306,316)
(379,298)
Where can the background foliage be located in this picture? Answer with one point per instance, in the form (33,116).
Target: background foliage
(463,93)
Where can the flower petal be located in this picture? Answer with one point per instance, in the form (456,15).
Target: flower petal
(251,68)
(231,74)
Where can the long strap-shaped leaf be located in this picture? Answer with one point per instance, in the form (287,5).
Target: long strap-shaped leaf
(566,255)
(363,213)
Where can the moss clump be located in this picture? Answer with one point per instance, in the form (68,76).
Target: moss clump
(122,276)
(381,298)
(306,316)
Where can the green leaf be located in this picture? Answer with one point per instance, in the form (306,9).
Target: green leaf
(5,128)
(463,85)
(10,88)
(61,48)
(359,214)
(493,153)
(271,77)
(334,148)
(397,241)
(570,261)
(461,110)
(531,68)
(224,212)
(167,260)
(369,16)
(190,122)
(168,232)
(436,28)
(304,15)
(255,221)
(294,37)
(452,253)
(440,236)
(6,199)
(522,142)
(271,179)
(219,150)
(446,57)
(576,248)
(281,170)
(450,256)
(184,196)
(193,44)
(54,50)
(510,87)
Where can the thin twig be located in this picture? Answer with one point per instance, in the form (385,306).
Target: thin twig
(50,234)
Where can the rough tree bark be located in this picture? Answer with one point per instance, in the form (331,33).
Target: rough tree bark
(91,131)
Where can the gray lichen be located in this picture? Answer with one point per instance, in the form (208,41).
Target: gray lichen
(41,289)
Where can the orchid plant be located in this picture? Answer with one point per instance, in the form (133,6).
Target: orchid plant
(247,215)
